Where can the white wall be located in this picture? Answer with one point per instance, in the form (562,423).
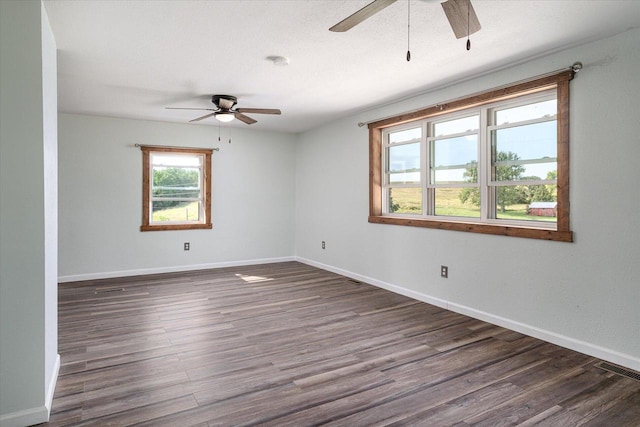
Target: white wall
(583,295)
(28,204)
(100,173)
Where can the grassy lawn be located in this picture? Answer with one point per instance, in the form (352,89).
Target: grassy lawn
(409,201)
(448,204)
(187,212)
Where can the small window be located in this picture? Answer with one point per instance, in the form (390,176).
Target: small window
(176,188)
(494,163)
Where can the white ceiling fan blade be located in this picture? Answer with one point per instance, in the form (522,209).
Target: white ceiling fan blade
(364,13)
(457,13)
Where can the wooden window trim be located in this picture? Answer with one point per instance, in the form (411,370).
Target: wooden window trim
(559,81)
(206,170)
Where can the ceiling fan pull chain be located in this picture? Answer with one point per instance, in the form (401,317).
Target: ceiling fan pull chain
(408,30)
(468,30)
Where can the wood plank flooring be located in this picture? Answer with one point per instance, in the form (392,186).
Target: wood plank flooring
(291,345)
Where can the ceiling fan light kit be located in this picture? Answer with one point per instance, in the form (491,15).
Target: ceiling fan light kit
(224,117)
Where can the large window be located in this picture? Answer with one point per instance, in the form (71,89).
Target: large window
(495,163)
(176,188)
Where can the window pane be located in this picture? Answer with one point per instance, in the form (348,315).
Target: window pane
(463,202)
(403,163)
(405,135)
(524,152)
(526,202)
(454,160)
(527,112)
(405,200)
(170,211)
(169,159)
(176,182)
(465,124)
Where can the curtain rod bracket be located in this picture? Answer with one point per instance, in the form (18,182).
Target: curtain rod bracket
(577,66)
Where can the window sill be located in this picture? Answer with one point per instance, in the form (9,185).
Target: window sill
(500,230)
(166,227)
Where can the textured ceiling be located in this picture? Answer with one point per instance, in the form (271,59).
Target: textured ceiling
(132,58)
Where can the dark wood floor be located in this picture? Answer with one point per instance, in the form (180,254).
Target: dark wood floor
(290,345)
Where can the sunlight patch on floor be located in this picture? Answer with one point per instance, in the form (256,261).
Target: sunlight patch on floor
(253,279)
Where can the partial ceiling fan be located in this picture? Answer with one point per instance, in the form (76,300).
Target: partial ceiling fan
(460,13)
(225,111)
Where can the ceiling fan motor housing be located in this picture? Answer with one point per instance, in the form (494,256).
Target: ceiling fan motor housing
(228,101)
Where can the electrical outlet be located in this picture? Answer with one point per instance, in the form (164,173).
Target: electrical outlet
(187,246)
(444,271)
(323,245)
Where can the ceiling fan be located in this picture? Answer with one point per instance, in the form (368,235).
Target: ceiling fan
(225,111)
(460,13)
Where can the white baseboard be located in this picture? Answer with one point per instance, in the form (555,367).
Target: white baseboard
(173,269)
(52,385)
(24,418)
(584,347)
(37,415)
